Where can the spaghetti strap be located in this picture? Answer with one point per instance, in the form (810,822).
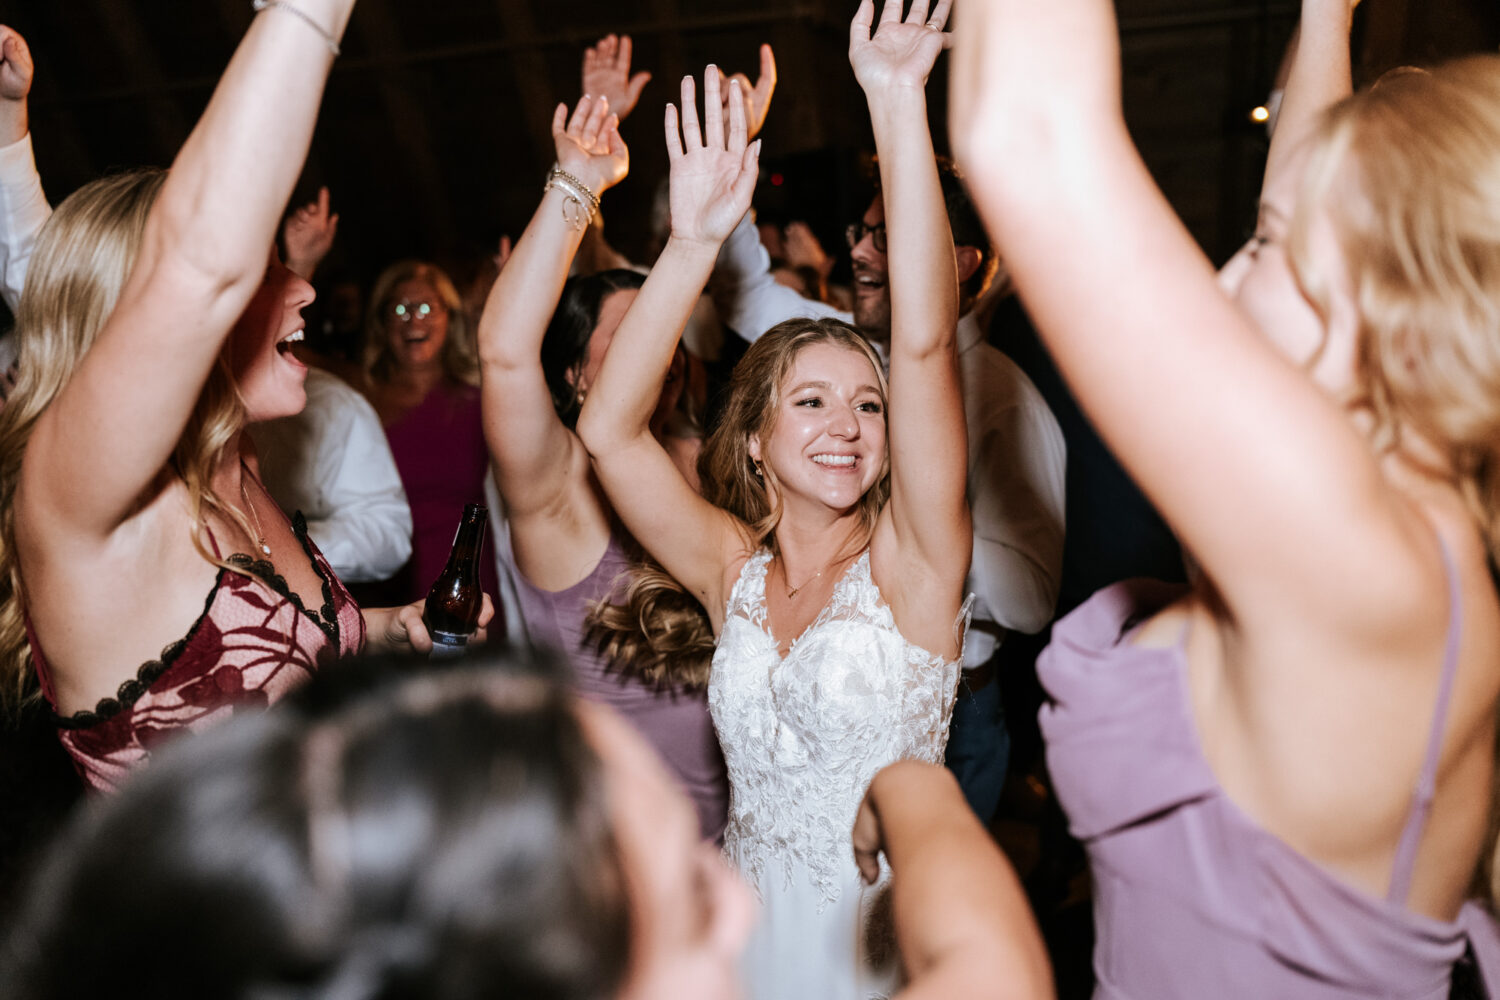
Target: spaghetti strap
(1416,821)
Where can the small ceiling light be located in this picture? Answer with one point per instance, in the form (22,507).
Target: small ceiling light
(1260,115)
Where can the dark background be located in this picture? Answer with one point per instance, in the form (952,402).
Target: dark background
(434,134)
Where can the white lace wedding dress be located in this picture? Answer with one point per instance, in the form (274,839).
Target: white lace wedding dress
(802,737)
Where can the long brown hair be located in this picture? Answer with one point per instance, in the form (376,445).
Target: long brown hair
(656,628)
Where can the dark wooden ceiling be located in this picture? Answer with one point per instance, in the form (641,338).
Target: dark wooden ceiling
(434,132)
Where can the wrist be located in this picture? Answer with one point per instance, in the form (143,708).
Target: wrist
(14,123)
(692,248)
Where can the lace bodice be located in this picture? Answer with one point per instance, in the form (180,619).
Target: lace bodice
(804,735)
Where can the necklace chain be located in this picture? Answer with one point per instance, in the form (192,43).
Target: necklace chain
(260,535)
(792,592)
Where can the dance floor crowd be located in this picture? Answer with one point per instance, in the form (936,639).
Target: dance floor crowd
(764,553)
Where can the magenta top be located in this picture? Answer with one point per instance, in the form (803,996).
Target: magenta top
(1191,897)
(674,720)
(440,452)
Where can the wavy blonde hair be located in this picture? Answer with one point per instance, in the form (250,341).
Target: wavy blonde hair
(83,257)
(460,352)
(657,628)
(1408,174)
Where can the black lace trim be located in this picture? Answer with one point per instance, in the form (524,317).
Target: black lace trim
(326,618)
(146,675)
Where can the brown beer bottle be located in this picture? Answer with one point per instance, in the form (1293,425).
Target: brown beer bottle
(454,602)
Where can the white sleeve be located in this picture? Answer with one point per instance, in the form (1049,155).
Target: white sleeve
(749,300)
(365,528)
(1017,484)
(23,212)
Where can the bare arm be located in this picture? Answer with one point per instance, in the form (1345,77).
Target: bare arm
(203,254)
(558,527)
(713,176)
(23,206)
(928,450)
(1321,76)
(962,921)
(1258,470)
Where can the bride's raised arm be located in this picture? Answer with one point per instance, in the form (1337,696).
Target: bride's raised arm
(713,173)
(928,511)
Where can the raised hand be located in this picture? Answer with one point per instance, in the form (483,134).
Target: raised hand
(589,145)
(758,95)
(900,53)
(15,84)
(308,235)
(15,65)
(606,73)
(713,167)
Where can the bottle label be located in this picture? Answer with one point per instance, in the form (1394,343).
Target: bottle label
(447,645)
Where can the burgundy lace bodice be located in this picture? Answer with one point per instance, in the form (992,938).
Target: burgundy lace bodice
(253,643)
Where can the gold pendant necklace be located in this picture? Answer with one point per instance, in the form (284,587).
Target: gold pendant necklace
(792,592)
(260,536)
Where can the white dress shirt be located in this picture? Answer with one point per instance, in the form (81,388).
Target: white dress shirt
(332,462)
(1017,457)
(23,212)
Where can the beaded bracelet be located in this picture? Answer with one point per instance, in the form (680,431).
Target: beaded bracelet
(581,203)
(260,5)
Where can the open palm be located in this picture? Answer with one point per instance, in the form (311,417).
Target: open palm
(901,53)
(713,167)
(589,147)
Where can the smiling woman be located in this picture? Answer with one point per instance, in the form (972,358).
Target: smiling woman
(421,374)
(153,328)
(830,545)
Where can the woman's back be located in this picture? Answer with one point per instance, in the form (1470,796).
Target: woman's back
(1192,892)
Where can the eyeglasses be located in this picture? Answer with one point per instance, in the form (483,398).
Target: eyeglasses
(858,230)
(408,311)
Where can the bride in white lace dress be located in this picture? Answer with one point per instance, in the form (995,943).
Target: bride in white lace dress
(830,545)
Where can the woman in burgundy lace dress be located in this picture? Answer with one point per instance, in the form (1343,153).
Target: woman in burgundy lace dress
(151,584)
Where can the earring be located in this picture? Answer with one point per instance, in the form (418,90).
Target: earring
(757,470)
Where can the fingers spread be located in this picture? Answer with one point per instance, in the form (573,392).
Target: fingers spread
(738,130)
(674,139)
(859,28)
(559,120)
(692,134)
(939,17)
(713,107)
(891,11)
(580,116)
(623,58)
(595,121)
(767,81)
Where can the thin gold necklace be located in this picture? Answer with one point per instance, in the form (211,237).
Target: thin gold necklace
(260,536)
(792,592)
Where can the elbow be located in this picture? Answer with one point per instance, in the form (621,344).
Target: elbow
(593,431)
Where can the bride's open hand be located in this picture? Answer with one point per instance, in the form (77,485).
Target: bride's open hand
(713,167)
(900,53)
(589,145)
